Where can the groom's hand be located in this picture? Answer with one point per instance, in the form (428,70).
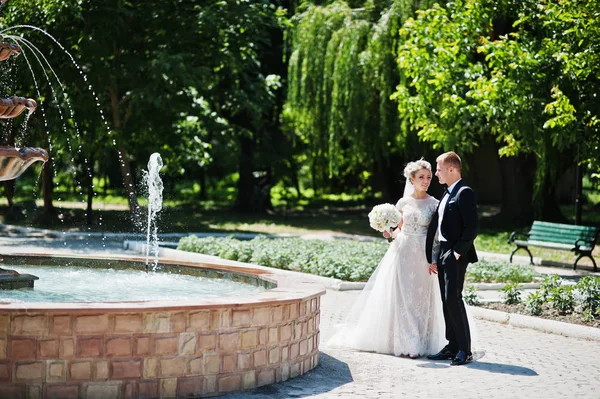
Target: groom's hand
(433,268)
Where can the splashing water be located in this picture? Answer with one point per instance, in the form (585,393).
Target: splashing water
(155,189)
(25,44)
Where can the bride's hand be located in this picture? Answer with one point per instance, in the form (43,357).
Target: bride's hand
(433,268)
(386,234)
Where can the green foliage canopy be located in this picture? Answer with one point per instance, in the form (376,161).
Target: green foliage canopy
(342,72)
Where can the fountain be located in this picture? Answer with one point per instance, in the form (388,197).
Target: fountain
(149,348)
(155,189)
(14,161)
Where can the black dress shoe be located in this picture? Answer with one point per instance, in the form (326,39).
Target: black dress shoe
(461,358)
(444,354)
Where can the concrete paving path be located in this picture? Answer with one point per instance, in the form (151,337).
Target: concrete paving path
(510,362)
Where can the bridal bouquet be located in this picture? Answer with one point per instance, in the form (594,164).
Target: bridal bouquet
(384,217)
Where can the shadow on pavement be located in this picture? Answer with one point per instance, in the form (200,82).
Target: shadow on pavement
(500,368)
(476,364)
(329,374)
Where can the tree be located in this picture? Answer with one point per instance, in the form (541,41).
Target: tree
(167,75)
(134,62)
(472,75)
(239,37)
(544,76)
(342,71)
(440,64)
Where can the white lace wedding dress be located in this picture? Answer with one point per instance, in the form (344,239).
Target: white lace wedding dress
(400,309)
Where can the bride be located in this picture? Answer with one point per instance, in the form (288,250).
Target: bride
(399,311)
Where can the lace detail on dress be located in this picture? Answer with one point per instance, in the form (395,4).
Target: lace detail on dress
(400,309)
(417,214)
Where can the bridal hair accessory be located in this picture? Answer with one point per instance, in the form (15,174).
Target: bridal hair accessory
(384,217)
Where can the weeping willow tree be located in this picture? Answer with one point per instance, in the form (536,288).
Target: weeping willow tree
(342,72)
(308,104)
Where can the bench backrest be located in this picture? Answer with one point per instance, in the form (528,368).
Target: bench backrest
(562,233)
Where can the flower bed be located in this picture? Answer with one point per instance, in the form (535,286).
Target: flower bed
(573,303)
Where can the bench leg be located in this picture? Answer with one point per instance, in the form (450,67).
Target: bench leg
(526,249)
(583,256)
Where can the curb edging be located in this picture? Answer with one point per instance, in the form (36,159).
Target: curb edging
(536,323)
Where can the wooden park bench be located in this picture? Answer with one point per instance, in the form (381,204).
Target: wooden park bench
(568,237)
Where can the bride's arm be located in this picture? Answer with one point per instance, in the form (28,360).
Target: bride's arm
(400,223)
(435,251)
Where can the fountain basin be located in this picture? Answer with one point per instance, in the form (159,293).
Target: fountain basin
(158,349)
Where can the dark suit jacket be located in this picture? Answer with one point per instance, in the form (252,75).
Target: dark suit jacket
(459,224)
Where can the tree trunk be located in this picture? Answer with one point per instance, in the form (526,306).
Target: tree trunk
(126,172)
(9,191)
(129,184)
(547,206)
(518,177)
(388,178)
(296,180)
(202,182)
(549,167)
(48,188)
(503,181)
(246,182)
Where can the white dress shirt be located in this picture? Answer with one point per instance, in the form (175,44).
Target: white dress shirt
(442,208)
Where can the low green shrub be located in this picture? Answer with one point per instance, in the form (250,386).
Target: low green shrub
(534,303)
(562,299)
(470,297)
(499,272)
(587,296)
(548,285)
(511,293)
(343,259)
(582,298)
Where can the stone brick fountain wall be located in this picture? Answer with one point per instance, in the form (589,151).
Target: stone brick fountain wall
(145,350)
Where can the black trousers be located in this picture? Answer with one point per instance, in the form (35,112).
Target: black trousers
(451,276)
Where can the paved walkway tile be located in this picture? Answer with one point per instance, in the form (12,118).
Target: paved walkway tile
(510,363)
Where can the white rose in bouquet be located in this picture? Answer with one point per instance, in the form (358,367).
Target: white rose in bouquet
(384,217)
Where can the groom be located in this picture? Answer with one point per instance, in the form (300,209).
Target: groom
(455,224)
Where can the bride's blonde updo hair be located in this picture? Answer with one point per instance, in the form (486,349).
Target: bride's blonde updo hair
(413,167)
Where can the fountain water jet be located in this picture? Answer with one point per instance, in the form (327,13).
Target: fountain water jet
(14,161)
(155,189)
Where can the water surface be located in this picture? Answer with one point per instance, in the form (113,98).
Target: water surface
(80,284)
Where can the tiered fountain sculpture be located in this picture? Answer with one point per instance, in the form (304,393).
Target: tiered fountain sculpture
(14,161)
